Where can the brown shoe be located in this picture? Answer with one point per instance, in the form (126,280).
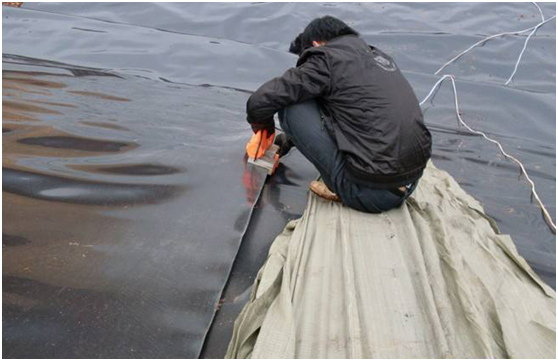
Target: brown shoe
(320,189)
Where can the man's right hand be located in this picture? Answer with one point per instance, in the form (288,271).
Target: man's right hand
(284,143)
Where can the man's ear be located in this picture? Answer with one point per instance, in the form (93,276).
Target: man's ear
(317,43)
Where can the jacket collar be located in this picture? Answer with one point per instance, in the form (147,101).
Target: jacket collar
(354,40)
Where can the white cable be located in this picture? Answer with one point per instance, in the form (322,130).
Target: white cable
(540,11)
(523,50)
(547,216)
(489,38)
(434,87)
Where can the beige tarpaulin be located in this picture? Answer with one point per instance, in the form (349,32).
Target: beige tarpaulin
(432,279)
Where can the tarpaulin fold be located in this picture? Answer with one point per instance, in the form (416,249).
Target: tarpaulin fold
(431,279)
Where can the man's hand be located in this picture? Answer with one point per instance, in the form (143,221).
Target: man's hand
(269,127)
(284,143)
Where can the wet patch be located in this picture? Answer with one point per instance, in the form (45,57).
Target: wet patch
(75,143)
(58,189)
(6,115)
(64,105)
(106,125)
(132,169)
(34,82)
(99,95)
(12,106)
(9,240)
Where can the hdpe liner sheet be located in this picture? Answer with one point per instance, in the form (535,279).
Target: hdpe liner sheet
(242,45)
(282,199)
(431,279)
(119,225)
(119,228)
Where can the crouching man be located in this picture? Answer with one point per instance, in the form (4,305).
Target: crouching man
(348,109)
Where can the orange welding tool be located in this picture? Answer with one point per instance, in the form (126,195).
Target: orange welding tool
(259,144)
(262,152)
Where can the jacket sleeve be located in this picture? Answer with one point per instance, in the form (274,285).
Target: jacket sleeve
(309,80)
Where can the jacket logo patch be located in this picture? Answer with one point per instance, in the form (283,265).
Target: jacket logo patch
(384,63)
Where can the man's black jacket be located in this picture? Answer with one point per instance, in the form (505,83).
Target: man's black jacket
(367,105)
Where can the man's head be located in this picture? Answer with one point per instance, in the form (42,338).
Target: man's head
(320,31)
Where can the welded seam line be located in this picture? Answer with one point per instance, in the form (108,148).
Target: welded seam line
(248,221)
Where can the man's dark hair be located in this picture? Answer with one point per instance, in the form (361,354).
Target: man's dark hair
(320,29)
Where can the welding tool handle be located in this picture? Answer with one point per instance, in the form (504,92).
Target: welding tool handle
(259,143)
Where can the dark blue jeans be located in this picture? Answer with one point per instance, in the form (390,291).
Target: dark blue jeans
(303,125)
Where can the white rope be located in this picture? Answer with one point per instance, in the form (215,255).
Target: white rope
(434,88)
(540,11)
(489,38)
(525,44)
(547,216)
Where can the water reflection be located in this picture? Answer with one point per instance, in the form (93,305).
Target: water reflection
(24,79)
(99,95)
(105,125)
(130,169)
(14,107)
(115,202)
(11,240)
(75,143)
(27,98)
(52,188)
